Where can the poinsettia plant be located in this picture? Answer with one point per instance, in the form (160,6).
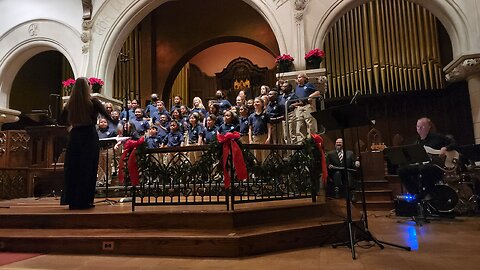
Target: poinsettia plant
(96,84)
(68,86)
(314,54)
(284,58)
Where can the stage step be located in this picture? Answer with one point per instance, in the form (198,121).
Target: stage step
(172,231)
(377,205)
(377,199)
(378,195)
(217,243)
(376,184)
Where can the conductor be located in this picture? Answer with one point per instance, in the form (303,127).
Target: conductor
(81,158)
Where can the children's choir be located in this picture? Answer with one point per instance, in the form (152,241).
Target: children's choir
(260,120)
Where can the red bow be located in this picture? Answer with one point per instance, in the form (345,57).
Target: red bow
(130,148)
(228,141)
(319,142)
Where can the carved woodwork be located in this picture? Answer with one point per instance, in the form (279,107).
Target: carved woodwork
(14,149)
(47,143)
(13,183)
(373,165)
(242,74)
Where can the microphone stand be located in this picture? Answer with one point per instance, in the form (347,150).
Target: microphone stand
(340,118)
(126,130)
(364,233)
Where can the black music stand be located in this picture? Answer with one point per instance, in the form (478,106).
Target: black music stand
(343,117)
(406,154)
(106,144)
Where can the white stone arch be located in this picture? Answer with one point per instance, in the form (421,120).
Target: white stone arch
(116,19)
(450,15)
(30,38)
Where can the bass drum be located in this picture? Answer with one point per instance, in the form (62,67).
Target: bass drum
(467,200)
(444,198)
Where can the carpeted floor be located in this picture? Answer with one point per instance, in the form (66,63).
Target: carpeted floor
(10,257)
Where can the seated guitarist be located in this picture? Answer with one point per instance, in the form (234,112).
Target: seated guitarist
(420,179)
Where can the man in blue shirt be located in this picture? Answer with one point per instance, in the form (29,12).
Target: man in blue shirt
(307,92)
(152,107)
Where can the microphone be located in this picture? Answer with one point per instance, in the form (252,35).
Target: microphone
(354,99)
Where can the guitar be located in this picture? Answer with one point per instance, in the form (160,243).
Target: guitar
(448,162)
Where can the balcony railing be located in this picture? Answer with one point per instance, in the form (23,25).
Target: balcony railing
(170,176)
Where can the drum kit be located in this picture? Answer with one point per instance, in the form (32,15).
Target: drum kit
(457,192)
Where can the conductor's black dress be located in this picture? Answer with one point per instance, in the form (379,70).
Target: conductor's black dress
(81,160)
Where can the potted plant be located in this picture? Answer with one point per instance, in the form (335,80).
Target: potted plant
(284,63)
(68,86)
(314,58)
(96,84)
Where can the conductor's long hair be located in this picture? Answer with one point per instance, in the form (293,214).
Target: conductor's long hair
(80,106)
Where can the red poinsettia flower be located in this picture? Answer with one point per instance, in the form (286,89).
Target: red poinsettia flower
(68,83)
(315,53)
(95,81)
(284,58)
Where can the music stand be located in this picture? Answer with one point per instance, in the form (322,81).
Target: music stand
(107,143)
(406,154)
(343,117)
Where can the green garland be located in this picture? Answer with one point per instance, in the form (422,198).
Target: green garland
(273,167)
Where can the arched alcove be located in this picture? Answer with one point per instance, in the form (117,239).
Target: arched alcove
(110,34)
(37,84)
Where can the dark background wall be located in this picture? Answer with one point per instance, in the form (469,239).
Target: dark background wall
(449,109)
(37,79)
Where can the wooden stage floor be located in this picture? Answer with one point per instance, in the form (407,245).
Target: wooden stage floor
(42,225)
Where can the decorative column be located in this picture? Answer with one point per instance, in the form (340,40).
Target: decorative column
(300,6)
(474,91)
(468,68)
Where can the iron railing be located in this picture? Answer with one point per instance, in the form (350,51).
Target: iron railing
(168,177)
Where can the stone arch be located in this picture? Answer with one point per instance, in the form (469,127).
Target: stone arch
(451,16)
(29,39)
(115,20)
(209,43)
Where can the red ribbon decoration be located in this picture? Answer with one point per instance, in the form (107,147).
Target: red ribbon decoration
(130,148)
(228,141)
(319,143)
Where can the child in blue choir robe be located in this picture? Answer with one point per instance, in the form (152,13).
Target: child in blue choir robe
(260,129)
(141,126)
(243,123)
(173,139)
(195,135)
(104,130)
(210,131)
(151,138)
(229,125)
(163,126)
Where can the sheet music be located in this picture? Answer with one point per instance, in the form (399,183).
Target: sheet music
(118,139)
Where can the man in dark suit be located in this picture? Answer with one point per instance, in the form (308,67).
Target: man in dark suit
(335,161)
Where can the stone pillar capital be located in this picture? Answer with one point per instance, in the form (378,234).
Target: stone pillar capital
(463,68)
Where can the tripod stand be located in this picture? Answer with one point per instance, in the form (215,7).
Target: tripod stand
(343,117)
(107,144)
